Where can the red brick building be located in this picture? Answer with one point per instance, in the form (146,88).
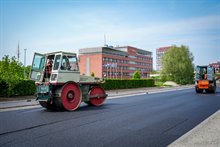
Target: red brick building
(216,65)
(159,53)
(117,63)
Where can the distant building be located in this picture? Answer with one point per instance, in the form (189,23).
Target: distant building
(216,65)
(159,53)
(115,62)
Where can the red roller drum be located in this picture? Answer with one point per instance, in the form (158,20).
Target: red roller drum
(71,96)
(97,91)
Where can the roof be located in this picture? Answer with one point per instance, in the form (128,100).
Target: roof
(98,50)
(122,50)
(162,49)
(138,50)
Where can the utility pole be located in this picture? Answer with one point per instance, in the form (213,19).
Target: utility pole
(110,71)
(107,70)
(116,71)
(25,62)
(121,72)
(104,40)
(18,52)
(113,73)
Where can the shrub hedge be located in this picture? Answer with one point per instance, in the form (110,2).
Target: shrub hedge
(27,87)
(127,83)
(16,87)
(3,87)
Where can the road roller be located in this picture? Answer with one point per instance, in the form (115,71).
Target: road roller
(205,79)
(59,84)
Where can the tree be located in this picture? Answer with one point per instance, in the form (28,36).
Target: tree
(93,74)
(178,65)
(27,71)
(136,75)
(11,69)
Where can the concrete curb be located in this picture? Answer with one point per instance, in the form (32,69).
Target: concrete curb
(17,104)
(146,90)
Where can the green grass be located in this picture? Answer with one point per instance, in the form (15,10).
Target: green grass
(158,83)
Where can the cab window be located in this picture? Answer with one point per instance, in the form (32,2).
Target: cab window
(56,62)
(37,67)
(69,63)
(38,63)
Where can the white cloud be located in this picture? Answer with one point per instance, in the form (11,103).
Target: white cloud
(80,32)
(190,32)
(175,30)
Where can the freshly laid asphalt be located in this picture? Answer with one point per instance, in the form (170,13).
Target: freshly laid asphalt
(205,134)
(144,119)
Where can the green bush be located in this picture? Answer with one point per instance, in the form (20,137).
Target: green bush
(13,87)
(127,83)
(136,75)
(24,87)
(3,87)
(93,74)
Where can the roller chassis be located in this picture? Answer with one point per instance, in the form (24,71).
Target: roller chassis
(205,80)
(210,89)
(64,88)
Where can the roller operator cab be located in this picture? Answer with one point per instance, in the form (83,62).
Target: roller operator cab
(205,79)
(60,85)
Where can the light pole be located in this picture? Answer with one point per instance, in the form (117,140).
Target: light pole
(25,62)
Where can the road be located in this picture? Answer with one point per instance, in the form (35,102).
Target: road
(155,119)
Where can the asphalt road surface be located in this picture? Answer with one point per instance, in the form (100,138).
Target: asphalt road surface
(145,120)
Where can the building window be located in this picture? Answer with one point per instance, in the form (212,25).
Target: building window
(132,62)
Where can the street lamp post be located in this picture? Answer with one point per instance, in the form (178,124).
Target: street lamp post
(25,62)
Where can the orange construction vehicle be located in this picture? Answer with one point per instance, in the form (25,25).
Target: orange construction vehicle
(205,79)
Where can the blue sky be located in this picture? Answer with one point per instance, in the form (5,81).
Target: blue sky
(52,25)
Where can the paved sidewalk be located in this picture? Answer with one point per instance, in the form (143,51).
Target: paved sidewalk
(18,103)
